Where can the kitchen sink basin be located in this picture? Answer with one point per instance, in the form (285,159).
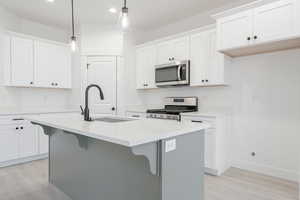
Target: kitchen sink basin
(112,119)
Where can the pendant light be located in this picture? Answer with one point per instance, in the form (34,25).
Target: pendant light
(125,19)
(73,38)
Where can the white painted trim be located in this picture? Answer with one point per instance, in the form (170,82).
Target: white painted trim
(23,160)
(241,8)
(267,170)
(175,36)
(11,33)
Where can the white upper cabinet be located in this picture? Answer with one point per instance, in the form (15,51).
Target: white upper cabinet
(53,65)
(274,21)
(259,28)
(33,62)
(207,65)
(145,65)
(22,66)
(235,31)
(171,50)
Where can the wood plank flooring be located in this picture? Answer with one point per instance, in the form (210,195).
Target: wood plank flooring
(30,182)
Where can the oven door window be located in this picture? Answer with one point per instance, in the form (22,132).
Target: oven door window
(167,74)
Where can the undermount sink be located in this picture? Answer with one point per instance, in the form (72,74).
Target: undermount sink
(113,119)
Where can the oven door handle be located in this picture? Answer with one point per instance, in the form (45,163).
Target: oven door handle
(179,72)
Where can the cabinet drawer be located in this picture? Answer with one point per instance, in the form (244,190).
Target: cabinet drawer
(209,120)
(136,114)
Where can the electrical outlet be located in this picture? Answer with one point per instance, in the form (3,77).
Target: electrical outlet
(170,145)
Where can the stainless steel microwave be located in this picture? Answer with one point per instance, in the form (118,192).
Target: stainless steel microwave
(175,73)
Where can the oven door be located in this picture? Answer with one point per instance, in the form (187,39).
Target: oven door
(172,74)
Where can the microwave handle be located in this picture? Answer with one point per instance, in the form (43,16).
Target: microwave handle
(179,72)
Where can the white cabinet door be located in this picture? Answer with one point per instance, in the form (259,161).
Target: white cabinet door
(28,141)
(8,143)
(22,65)
(43,141)
(164,52)
(215,71)
(235,31)
(53,65)
(180,49)
(207,65)
(176,49)
(103,72)
(145,67)
(200,57)
(274,21)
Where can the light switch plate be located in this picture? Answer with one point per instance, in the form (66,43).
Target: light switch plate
(170,145)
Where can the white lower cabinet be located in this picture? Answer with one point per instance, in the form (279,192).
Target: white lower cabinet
(217,142)
(8,143)
(18,141)
(28,140)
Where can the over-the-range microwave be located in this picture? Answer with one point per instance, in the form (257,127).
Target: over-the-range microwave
(175,73)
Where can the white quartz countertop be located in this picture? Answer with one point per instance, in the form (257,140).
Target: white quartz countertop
(34,110)
(129,133)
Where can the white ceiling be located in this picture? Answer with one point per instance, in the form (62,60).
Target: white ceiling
(144,14)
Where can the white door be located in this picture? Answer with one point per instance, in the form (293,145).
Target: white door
(200,57)
(210,149)
(43,141)
(235,31)
(180,49)
(274,21)
(145,67)
(22,68)
(103,72)
(8,143)
(28,141)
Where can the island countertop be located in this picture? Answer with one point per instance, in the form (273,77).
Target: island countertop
(129,133)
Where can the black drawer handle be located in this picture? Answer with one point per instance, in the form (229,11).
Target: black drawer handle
(135,116)
(196,121)
(18,119)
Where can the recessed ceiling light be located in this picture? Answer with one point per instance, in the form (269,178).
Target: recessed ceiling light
(51,1)
(113,10)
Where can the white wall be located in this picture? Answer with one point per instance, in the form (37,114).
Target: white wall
(26,97)
(101,40)
(264,96)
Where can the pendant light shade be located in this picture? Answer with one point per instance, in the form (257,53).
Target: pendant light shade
(125,18)
(73,37)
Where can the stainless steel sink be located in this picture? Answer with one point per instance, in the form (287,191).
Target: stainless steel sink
(113,119)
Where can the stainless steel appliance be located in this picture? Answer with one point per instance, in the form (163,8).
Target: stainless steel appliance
(176,73)
(173,107)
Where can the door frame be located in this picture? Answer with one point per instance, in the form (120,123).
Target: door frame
(84,74)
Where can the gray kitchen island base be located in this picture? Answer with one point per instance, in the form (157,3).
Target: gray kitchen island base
(90,169)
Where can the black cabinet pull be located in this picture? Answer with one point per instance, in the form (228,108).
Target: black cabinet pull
(22,127)
(248,38)
(31,83)
(17,128)
(206,80)
(255,37)
(56,84)
(113,108)
(196,121)
(137,116)
(202,81)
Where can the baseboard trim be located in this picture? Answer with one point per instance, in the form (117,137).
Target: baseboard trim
(267,170)
(23,160)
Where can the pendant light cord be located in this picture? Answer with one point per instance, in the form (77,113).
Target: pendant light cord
(73,26)
(125,3)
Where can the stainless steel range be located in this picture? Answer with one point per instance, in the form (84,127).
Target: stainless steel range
(173,107)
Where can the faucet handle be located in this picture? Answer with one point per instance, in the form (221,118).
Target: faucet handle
(82,111)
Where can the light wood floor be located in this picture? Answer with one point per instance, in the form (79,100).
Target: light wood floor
(29,182)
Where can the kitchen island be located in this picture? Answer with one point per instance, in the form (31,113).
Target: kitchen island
(125,159)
